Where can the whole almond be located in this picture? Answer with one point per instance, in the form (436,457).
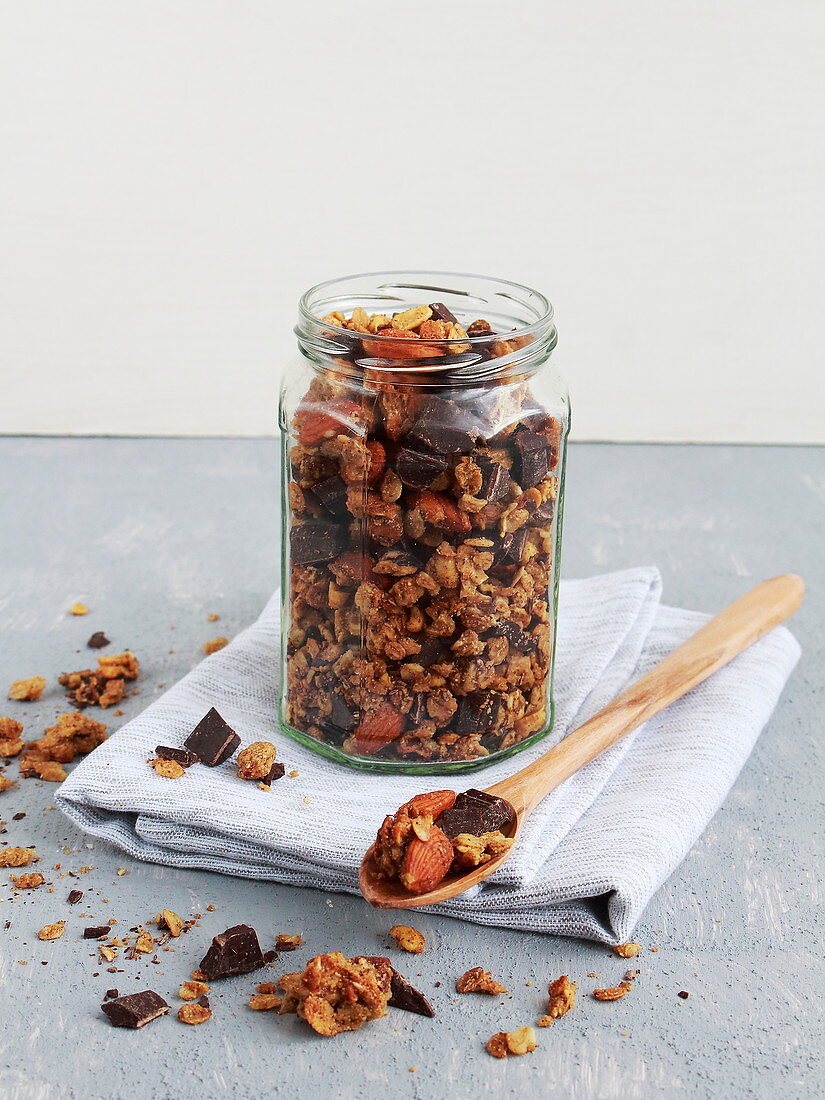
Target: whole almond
(426,862)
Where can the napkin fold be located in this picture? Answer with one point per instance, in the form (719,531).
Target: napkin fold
(592,854)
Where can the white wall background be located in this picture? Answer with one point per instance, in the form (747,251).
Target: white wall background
(175,172)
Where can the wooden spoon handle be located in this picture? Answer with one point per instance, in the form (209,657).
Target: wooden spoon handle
(714,645)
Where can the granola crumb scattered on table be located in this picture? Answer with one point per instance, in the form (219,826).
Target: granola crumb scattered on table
(104,686)
(6,784)
(613,994)
(264,1002)
(191,990)
(27,691)
(288,941)
(16,857)
(170,920)
(256,760)
(520,1041)
(196,1013)
(478,980)
(408,939)
(335,994)
(52,931)
(627,950)
(215,645)
(78,609)
(562,999)
(11,743)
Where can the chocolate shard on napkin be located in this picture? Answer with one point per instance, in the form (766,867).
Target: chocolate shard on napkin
(475,812)
(235,951)
(277,771)
(212,740)
(135,1009)
(185,757)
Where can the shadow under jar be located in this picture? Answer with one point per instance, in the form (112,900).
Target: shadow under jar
(424,435)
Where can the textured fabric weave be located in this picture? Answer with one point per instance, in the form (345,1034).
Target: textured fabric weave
(592,854)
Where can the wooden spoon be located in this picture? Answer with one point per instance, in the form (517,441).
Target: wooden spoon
(717,643)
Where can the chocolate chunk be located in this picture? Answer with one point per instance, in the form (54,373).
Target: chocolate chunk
(480,328)
(136,1009)
(543,515)
(203,1001)
(418,710)
(683,993)
(341,715)
(511,550)
(443,427)
(407,997)
(441,313)
(74,897)
(277,771)
(517,637)
(96,932)
(475,713)
(109,994)
(212,740)
(316,541)
(18,817)
(418,470)
(235,951)
(332,493)
(476,812)
(271,956)
(495,480)
(98,640)
(432,649)
(532,458)
(184,757)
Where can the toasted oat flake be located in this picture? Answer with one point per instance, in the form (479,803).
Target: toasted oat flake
(613,994)
(168,769)
(27,690)
(190,991)
(79,609)
(170,921)
(264,1002)
(194,1014)
(52,931)
(627,950)
(215,645)
(408,939)
(520,1041)
(477,980)
(288,941)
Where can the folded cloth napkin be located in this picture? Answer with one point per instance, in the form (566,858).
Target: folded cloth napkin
(590,857)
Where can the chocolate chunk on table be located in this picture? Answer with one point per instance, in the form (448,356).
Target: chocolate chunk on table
(316,541)
(444,428)
(96,932)
(417,469)
(235,951)
(332,493)
(98,640)
(495,479)
(136,1009)
(532,463)
(212,740)
(185,757)
(475,812)
(74,897)
(407,997)
(441,313)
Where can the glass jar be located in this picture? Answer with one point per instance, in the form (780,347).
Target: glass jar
(424,436)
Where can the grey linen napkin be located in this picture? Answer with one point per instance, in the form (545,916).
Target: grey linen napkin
(591,856)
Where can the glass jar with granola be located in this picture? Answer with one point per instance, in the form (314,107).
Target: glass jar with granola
(424,435)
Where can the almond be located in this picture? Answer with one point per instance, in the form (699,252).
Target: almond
(431,804)
(439,510)
(378,462)
(378,728)
(426,862)
(324,422)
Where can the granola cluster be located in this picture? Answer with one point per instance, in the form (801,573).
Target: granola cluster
(335,994)
(72,735)
(421,545)
(104,686)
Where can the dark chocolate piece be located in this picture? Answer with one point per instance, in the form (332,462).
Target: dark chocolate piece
(203,1001)
(511,550)
(342,716)
(441,313)
(532,458)
(418,470)
(480,328)
(235,951)
(432,649)
(18,817)
(109,994)
(98,640)
(271,956)
(136,1009)
(475,713)
(543,515)
(316,541)
(476,812)
(212,740)
(185,757)
(683,993)
(407,997)
(418,710)
(74,897)
(277,771)
(444,428)
(495,479)
(332,493)
(96,931)
(517,637)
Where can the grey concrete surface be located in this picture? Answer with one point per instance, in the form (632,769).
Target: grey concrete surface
(155,534)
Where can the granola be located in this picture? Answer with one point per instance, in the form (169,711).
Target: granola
(408,939)
(422,560)
(11,743)
(335,994)
(562,999)
(16,857)
(613,994)
(27,690)
(104,686)
(478,980)
(520,1041)
(72,735)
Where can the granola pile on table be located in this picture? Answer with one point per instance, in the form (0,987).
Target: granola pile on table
(421,540)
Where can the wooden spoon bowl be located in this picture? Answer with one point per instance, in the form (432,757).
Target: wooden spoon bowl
(727,634)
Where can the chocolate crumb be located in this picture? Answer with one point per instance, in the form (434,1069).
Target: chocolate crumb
(683,993)
(74,897)
(98,640)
